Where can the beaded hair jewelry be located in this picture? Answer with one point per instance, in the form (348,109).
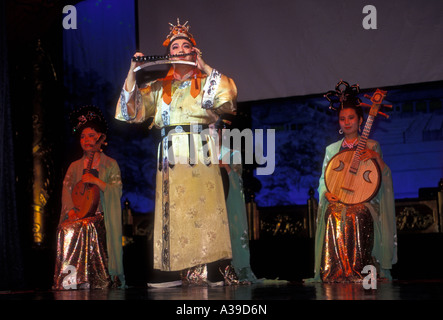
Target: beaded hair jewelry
(340,97)
(88,115)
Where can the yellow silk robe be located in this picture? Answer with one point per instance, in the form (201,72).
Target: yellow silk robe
(191,224)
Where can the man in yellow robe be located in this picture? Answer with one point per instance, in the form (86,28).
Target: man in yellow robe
(191,225)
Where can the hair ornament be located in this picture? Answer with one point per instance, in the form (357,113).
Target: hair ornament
(342,95)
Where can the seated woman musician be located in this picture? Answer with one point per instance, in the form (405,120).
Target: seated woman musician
(89,234)
(350,236)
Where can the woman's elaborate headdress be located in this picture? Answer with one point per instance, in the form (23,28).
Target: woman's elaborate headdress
(343,95)
(179,31)
(88,116)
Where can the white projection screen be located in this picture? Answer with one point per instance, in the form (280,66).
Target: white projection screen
(284,48)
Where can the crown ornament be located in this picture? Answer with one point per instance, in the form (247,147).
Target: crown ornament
(179,31)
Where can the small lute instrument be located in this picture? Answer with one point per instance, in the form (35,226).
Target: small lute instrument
(353,181)
(86,196)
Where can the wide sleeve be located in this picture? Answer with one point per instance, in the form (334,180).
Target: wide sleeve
(69,181)
(142,100)
(330,152)
(388,221)
(386,248)
(323,203)
(111,202)
(321,182)
(220,94)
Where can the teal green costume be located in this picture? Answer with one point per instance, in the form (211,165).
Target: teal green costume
(238,223)
(110,206)
(382,208)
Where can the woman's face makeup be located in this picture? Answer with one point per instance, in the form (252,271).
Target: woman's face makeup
(88,139)
(349,121)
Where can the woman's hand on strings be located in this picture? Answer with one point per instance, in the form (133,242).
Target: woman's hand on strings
(367,154)
(90,178)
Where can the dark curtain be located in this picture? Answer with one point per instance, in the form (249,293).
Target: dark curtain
(11,259)
(35,124)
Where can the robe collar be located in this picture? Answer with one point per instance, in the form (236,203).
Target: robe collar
(167,84)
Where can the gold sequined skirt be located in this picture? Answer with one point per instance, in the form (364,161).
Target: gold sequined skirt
(348,243)
(82,260)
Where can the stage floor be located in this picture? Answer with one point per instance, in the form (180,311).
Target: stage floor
(395,290)
(264,301)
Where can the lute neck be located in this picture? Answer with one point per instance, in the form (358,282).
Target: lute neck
(361,144)
(90,161)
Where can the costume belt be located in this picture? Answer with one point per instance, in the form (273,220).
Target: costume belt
(186,129)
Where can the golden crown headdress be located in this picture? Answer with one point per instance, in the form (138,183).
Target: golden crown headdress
(179,31)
